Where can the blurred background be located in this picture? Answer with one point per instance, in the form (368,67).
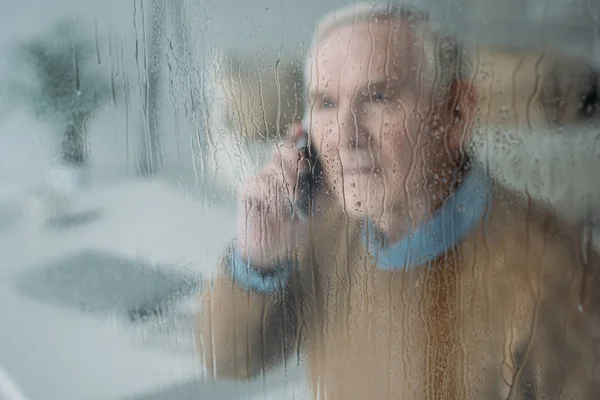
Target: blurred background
(125,127)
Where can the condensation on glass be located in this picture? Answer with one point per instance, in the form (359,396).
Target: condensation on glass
(223,199)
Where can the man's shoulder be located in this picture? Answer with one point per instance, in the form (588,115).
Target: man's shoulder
(527,231)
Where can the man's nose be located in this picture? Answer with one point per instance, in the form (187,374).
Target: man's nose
(351,128)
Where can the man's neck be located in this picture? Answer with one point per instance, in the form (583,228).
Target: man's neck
(440,229)
(396,222)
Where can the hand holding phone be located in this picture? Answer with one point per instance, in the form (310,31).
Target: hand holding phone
(274,203)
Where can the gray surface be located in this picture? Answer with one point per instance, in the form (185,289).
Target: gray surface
(74,220)
(101,283)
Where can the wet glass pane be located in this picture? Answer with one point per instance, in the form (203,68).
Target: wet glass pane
(299,199)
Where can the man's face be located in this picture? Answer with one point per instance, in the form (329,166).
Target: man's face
(370,117)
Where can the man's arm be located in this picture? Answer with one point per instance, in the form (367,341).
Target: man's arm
(249,319)
(250,312)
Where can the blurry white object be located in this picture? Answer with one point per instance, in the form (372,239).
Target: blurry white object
(51,200)
(9,390)
(64,179)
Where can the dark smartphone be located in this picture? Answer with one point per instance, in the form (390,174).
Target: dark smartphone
(308,184)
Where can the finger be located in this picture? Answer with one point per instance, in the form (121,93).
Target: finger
(291,163)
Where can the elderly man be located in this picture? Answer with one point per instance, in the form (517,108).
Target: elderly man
(408,273)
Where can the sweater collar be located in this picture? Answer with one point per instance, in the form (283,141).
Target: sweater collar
(458,216)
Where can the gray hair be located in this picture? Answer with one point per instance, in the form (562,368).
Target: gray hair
(447,58)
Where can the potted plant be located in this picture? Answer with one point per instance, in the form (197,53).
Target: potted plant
(65,87)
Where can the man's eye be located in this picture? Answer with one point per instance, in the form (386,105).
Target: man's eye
(378,97)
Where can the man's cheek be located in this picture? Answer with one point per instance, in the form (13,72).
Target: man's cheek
(330,162)
(395,154)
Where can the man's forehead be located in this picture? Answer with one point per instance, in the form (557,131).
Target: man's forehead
(373,49)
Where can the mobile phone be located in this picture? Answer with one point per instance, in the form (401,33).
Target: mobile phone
(309,183)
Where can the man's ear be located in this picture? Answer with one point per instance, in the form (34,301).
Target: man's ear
(462,111)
